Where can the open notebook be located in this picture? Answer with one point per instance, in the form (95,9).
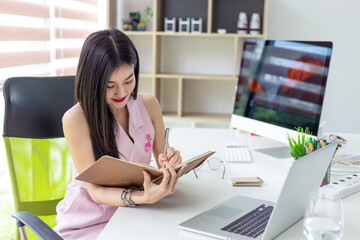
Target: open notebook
(114,172)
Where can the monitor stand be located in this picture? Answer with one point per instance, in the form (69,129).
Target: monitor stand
(277,152)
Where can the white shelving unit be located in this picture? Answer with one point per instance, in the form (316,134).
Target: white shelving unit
(194,76)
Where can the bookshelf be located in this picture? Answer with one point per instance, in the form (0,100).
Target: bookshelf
(178,67)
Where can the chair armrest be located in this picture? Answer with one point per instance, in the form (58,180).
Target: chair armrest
(35,224)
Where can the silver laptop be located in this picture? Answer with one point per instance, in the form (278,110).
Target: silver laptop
(233,218)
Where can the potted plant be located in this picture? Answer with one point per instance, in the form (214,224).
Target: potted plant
(126,24)
(299,149)
(134,22)
(147,15)
(297,146)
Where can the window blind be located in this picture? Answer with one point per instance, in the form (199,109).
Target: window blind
(44,37)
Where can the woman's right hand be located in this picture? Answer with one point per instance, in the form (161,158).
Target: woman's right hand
(154,192)
(172,156)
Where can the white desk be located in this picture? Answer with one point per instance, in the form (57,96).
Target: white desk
(193,196)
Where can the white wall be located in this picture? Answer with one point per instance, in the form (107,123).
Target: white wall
(330,20)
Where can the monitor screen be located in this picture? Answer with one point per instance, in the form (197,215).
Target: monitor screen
(281,86)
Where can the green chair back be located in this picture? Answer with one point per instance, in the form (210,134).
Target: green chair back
(38,157)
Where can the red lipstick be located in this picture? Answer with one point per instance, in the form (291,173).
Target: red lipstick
(120,100)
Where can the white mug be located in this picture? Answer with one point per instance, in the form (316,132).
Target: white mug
(255,23)
(242,24)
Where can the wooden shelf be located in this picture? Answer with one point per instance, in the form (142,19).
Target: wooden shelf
(167,75)
(226,35)
(146,75)
(203,117)
(139,33)
(170,115)
(190,76)
(257,36)
(197,76)
(181,34)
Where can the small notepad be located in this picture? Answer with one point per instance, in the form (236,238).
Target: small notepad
(246,181)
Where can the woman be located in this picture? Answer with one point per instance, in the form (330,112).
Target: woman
(110,118)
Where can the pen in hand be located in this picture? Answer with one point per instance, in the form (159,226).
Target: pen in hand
(166,142)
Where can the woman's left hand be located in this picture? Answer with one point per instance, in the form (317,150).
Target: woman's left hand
(172,156)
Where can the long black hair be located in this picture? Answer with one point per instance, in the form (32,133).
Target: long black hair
(102,53)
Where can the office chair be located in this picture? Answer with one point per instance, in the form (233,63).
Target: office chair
(37,154)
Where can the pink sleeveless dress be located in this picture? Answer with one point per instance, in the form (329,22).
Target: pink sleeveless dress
(78,216)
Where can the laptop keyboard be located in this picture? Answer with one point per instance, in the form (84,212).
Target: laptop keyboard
(237,154)
(251,224)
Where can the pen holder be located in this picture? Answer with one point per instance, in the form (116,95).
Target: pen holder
(326,179)
(302,146)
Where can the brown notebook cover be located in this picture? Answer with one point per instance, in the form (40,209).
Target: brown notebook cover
(113,172)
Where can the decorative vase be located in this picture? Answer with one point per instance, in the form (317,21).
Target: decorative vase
(135,16)
(141,27)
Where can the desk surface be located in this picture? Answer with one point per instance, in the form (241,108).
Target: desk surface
(195,195)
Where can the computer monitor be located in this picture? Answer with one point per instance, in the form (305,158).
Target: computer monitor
(281,86)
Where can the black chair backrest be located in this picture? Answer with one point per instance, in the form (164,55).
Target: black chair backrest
(34,106)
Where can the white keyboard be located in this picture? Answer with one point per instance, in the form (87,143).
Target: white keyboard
(237,154)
